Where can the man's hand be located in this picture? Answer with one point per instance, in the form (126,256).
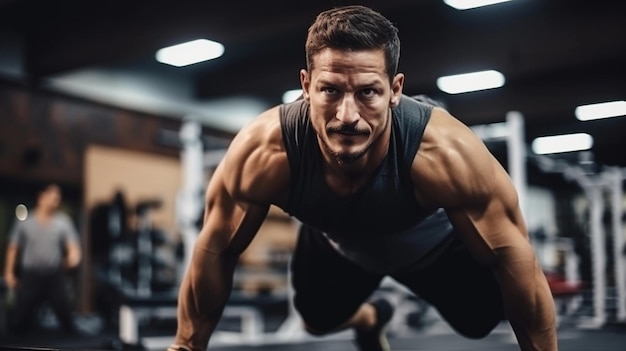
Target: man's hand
(72,258)
(11,280)
(177,348)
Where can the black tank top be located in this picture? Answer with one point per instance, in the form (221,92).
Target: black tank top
(384,208)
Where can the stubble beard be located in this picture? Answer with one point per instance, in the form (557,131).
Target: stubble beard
(346,157)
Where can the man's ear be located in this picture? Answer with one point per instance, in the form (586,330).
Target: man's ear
(305,83)
(396,90)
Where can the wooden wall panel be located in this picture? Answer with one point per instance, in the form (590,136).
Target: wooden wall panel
(43,136)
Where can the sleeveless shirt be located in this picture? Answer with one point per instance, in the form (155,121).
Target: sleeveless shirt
(381,227)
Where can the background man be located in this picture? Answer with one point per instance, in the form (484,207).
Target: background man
(42,248)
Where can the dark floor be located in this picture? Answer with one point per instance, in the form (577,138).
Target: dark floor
(607,338)
(588,341)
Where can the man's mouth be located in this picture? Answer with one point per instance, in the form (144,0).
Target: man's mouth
(348,132)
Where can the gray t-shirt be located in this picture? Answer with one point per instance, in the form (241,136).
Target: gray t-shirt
(42,245)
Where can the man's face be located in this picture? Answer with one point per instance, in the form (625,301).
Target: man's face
(350,97)
(50,198)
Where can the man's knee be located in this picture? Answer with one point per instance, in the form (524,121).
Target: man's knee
(318,325)
(317,321)
(476,329)
(315,330)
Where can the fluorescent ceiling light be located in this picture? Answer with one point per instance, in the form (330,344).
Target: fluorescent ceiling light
(190,52)
(466,82)
(562,143)
(470,4)
(291,95)
(601,110)
(21,212)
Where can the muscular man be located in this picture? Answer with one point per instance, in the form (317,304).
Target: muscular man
(383,185)
(47,245)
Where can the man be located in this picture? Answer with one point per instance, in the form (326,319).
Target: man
(383,185)
(47,245)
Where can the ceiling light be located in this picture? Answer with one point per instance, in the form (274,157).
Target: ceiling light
(190,52)
(21,212)
(291,95)
(470,4)
(562,143)
(466,82)
(601,110)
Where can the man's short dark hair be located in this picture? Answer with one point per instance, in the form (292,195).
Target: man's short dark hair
(354,28)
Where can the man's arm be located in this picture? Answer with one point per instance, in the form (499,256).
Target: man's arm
(11,257)
(204,291)
(483,206)
(238,197)
(9,265)
(73,254)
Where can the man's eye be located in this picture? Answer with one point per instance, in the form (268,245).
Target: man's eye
(329,90)
(368,92)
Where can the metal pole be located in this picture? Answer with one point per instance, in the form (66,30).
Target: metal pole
(516,151)
(617,204)
(189,202)
(598,263)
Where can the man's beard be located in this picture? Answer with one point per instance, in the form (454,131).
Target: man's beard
(346,158)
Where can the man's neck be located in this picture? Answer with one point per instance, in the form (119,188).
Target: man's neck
(43,215)
(346,178)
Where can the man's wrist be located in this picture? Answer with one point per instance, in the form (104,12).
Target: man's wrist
(177,348)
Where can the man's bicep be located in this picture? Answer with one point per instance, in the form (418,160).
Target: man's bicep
(229,224)
(72,236)
(487,209)
(490,220)
(14,234)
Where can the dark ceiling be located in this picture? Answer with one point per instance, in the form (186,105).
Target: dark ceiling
(555,54)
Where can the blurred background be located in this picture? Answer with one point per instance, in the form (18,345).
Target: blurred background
(87,100)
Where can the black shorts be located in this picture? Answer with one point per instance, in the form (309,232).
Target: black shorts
(329,288)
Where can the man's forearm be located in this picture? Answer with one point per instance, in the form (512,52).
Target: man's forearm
(9,262)
(530,309)
(202,297)
(73,256)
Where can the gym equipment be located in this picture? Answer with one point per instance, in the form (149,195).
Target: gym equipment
(594,186)
(144,247)
(190,199)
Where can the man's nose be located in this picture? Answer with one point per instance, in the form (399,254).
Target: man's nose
(347,112)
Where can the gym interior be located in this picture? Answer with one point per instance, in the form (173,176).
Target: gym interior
(87,102)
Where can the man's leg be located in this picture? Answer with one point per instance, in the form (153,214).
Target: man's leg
(465,293)
(28,296)
(58,296)
(331,292)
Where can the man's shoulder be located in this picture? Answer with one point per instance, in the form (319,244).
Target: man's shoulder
(416,101)
(298,108)
(263,131)
(412,113)
(256,162)
(61,216)
(62,219)
(449,132)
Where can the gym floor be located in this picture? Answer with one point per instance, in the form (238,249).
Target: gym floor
(611,337)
